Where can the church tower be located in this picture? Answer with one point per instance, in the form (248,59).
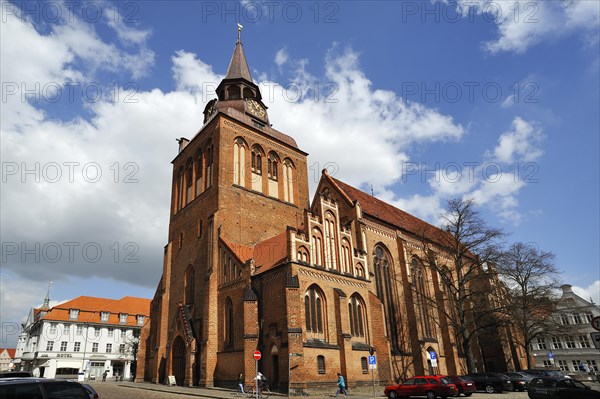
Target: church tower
(238,180)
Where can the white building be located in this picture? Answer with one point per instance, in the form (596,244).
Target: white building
(6,359)
(86,334)
(573,350)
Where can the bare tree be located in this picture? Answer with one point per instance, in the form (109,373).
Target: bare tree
(459,256)
(531,277)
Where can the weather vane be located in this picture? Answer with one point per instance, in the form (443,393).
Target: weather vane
(240,27)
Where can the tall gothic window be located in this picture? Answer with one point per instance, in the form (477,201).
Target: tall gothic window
(314,309)
(239,161)
(198,172)
(256,161)
(288,181)
(317,246)
(331,240)
(189,285)
(229,323)
(422,303)
(189,181)
(272,166)
(180,192)
(209,165)
(385,283)
(356,309)
(303,254)
(346,256)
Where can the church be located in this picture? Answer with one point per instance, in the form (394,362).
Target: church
(316,285)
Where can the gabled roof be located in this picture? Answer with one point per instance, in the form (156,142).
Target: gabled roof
(242,252)
(388,213)
(266,254)
(11,352)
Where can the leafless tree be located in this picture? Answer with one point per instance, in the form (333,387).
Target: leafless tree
(531,278)
(459,257)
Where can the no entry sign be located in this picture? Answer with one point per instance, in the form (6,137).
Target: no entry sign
(256,355)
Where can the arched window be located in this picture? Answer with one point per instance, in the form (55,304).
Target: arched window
(189,285)
(189,181)
(314,310)
(356,309)
(257,160)
(248,93)
(198,172)
(359,270)
(331,240)
(288,180)
(321,364)
(302,254)
(239,161)
(317,246)
(209,165)
(422,292)
(180,191)
(273,161)
(385,284)
(346,256)
(229,332)
(233,93)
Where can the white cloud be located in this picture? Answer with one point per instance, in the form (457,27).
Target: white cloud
(522,24)
(591,291)
(281,57)
(522,142)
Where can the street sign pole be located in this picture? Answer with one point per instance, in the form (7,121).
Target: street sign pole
(373,380)
(256,379)
(289,373)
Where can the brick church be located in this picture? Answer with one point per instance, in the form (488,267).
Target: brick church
(252,263)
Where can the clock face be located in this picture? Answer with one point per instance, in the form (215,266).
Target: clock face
(254,107)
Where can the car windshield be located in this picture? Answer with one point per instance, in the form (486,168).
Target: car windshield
(446,380)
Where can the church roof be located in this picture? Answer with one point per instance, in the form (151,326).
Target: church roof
(238,66)
(266,254)
(388,213)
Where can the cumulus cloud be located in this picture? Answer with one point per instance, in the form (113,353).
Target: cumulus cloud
(281,57)
(521,142)
(591,291)
(522,24)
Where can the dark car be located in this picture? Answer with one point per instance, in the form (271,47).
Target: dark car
(490,382)
(544,373)
(464,386)
(13,374)
(519,380)
(41,388)
(560,388)
(430,386)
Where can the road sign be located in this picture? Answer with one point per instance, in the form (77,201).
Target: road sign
(550,355)
(433,362)
(596,339)
(432,355)
(256,355)
(596,323)
(372,362)
(296,354)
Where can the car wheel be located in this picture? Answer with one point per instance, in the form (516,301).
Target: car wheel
(431,395)
(490,389)
(468,394)
(392,394)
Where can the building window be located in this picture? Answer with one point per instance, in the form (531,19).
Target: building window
(53,328)
(79,330)
(180,192)
(198,172)
(588,317)
(111,332)
(542,343)
(96,332)
(66,329)
(317,246)
(239,161)
(584,342)
(302,255)
(314,310)
(386,292)
(570,342)
(364,365)
(548,364)
(356,310)
(564,319)
(576,364)
(189,181)
(122,348)
(422,291)
(331,241)
(123,334)
(562,364)
(140,320)
(123,318)
(209,165)
(49,345)
(346,256)
(229,323)
(108,348)
(73,314)
(95,347)
(556,344)
(77,347)
(321,364)
(359,270)
(256,161)
(272,167)
(593,365)
(104,316)
(288,181)
(189,279)
(577,318)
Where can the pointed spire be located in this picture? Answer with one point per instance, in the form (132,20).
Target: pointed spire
(238,66)
(46,304)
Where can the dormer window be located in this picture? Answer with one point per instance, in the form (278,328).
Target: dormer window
(73,314)
(122,318)
(140,320)
(104,316)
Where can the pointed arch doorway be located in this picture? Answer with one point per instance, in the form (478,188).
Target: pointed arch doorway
(178,360)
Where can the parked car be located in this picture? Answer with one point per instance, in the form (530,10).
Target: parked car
(490,382)
(91,391)
(519,380)
(560,388)
(545,373)
(13,374)
(464,386)
(430,386)
(41,388)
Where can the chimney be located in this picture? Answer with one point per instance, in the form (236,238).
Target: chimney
(566,288)
(183,142)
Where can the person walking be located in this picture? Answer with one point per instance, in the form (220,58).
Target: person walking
(240,383)
(341,385)
(104,376)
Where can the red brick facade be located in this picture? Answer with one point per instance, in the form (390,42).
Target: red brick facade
(250,264)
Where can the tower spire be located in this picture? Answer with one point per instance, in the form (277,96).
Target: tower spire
(46,304)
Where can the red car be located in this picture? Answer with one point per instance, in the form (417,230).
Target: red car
(463,385)
(430,386)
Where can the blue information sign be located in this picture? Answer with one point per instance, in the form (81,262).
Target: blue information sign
(372,360)
(432,355)
(550,355)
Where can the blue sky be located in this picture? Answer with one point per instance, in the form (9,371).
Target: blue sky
(419,100)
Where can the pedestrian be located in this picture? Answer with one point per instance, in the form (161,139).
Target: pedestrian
(261,381)
(104,376)
(240,383)
(341,385)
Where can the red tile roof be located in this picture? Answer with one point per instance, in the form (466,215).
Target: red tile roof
(390,214)
(242,252)
(91,307)
(266,254)
(11,352)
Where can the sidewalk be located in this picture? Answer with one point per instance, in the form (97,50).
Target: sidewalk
(224,393)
